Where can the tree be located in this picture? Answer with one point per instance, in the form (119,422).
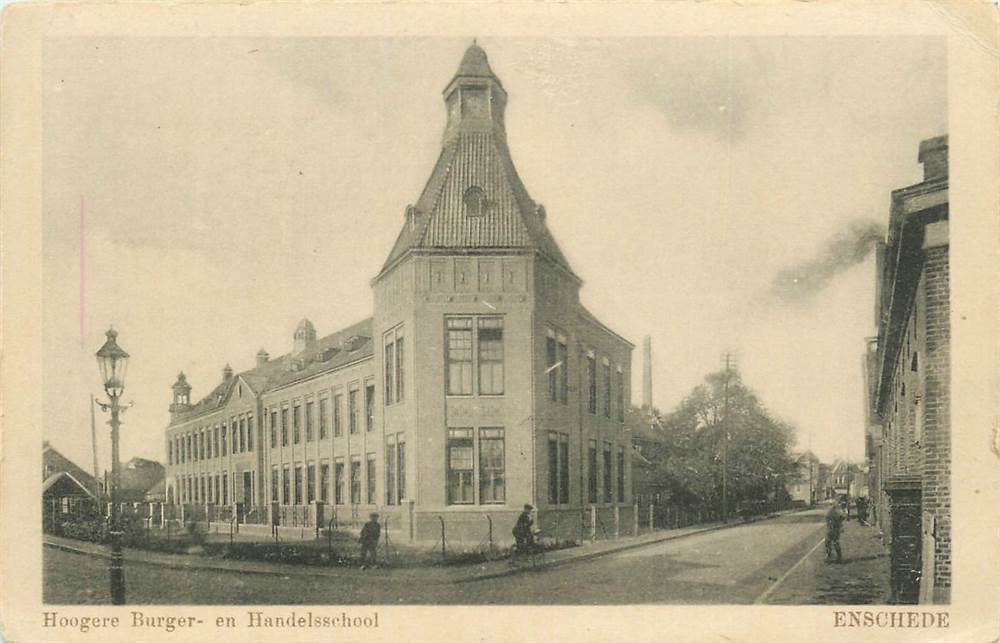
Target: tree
(758,458)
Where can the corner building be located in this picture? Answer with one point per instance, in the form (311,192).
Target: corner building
(480,383)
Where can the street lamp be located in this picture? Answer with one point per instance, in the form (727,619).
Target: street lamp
(113,361)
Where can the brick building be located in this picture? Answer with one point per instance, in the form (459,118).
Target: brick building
(909,434)
(479,384)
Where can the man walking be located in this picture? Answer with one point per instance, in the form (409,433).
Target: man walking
(369,539)
(862,509)
(522,532)
(834,523)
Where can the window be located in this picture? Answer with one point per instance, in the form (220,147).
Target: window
(460,464)
(322,418)
(370,478)
(170,454)
(400,388)
(310,483)
(474,201)
(338,482)
(298,484)
(592,472)
(356,481)
(459,356)
(369,407)
(324,482)
(591,383)
(552,365)
(607,472)
(274,483)
(607,389)
(237,442)
(621,474)
(491,466)
(225,489)
(337,423)
(222,434)
(352,410)
(390,472)
(249,433)
(309,426)
(243,435)
(389,357)
(285,484)
(218,452)
(490,344)
(562,355)
(401,471)
(274,429)
(558,468)
(620,394)
(218,489)
(296,424)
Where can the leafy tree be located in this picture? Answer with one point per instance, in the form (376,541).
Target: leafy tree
(691,462)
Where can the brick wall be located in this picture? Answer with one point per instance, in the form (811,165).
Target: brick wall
(936,409)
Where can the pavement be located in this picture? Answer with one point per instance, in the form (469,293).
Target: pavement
(432,574)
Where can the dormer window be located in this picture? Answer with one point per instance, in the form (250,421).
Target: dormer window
(474,201)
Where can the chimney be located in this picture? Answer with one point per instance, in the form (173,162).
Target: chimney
(647,373)
(934,155)
(227,373)
(262,357)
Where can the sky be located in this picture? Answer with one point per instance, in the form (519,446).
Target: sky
(205,194)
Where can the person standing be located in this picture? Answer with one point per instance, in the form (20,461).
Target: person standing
(862,509)
(834,523)
(369,539)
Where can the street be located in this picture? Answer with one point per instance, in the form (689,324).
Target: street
(737,565)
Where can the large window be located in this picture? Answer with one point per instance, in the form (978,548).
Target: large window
(491,466)
(464,452)
(400,380)
(274,483)
(558,468)
(592,472)
(370,479)
(284,427)
(310,483)
(552,365)
(607,388)
(322,418)
(274,429)
(401,464)
(218,450)
(356,480)
(369,407)
(352,410)
(591,383)
(285,484)
(237,440)
(309,421)
(459,356)
(607,472)
(490,344)
(249,433)
(338,482)
(298,484)
(296,424)
(621,474)
(337,419)
(390,471)
(243,435)
(324,482)
(461,459)
(222,434)
(620,394)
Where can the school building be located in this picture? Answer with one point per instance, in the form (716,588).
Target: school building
(479,384)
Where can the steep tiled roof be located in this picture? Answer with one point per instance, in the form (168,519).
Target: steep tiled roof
(329,352)
(476,156)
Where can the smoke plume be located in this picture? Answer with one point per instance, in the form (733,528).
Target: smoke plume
(847,248)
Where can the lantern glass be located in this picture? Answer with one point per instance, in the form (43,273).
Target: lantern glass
(113,362)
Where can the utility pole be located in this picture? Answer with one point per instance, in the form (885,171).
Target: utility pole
(93,446)
(728,357)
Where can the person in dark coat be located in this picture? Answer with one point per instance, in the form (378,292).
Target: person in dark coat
(522,532)
(862,509)
(834,523)
(369,539)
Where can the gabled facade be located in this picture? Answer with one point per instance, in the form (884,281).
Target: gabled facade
(480,384)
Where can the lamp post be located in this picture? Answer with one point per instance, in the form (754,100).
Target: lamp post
(113,361)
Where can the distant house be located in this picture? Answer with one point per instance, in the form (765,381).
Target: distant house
(648,447)
(66,488)
(141,478)
(802,485)
(54,463)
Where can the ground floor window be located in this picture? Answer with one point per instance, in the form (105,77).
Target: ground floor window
(621,474)
(274,483)
(298,484)
(390,472)
(460,466)
(338,482)
(285,484)
(475,456)
(225,489)
(324,482)
(592,472)
(401,468)
(370,479)
(558,457)
(607,472)
(356,481)
(310,483)
(491,466)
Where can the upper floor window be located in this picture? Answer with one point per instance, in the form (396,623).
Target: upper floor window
(393,361)
(474,201)
(337,421)
(607,388)
(284,427)
(620,394)
(274,429)
(296,419)
(249,433)
(309,424)
(591,383)
(322,418)
(352,411)
(466,348)
(369,407)
(556,366)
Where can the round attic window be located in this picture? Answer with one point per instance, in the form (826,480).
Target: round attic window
(474,201)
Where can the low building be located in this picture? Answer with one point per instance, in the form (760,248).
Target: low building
(909,384)
(67,490)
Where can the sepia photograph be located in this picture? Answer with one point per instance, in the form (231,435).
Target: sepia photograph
(333,322)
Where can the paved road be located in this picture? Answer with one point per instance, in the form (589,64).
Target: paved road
(735,565)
